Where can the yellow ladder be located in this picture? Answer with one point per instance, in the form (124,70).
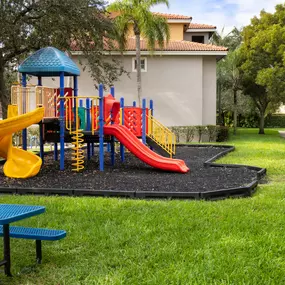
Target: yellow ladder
(77,152)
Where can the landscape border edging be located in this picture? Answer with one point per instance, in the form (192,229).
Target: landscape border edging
(243,191)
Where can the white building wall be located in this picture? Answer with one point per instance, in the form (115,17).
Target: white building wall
(177,84)
(209,90)
(174,83)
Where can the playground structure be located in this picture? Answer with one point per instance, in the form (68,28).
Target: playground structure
(67,117)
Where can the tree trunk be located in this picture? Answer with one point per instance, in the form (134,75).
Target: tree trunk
(3,96)
(261,124)
(235,112)
(138,59)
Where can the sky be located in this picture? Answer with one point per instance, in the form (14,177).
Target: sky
(220,13)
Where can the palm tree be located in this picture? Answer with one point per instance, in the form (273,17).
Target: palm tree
(232,40)
(150,26)
(228,77)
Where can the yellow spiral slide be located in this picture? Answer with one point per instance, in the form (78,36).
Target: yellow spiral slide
(19,163)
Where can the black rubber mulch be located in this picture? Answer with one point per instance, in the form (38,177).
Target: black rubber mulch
(134,175)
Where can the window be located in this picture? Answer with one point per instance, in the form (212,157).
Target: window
(198,39)
(143,64)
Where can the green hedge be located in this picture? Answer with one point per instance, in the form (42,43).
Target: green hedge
(212,132)
(275,121)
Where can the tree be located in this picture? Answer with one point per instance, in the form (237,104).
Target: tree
(228,77)
(27,25)
(230,80)
(232,40)
(151,27)
(262,61)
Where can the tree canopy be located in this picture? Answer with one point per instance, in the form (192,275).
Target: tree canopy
(262,59)
(27,25)
(151,27)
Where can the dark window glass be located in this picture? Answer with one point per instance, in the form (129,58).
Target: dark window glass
(198,39)
(142,64)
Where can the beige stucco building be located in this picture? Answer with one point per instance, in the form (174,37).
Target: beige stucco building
(181,78)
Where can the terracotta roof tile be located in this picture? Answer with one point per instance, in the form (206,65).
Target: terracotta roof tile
(164,15)
(201,26)
(176,46)
(171,46)
(172,16)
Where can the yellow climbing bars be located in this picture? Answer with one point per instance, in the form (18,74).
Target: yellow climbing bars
(162,135)
(72,124)
(77,154)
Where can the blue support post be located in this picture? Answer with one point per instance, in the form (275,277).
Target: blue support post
(24,132)
(75,94)
(112,91)
(88,125)
(144,121)
(80,103)
(61,121)
(134,104)
(122,148)
(41,142)
(151,107)
(151,112)
(41,130)
(101,127)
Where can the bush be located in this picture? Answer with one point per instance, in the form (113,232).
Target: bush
(189,133)
(178,132)
(211,131)
(222,133)
(275,121)
(201,130)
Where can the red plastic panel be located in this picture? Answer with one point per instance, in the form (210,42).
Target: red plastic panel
(70,103)
(133,120)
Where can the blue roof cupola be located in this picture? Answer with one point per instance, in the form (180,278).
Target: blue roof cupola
(49,61)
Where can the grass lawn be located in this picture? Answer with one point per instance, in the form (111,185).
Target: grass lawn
(117,241)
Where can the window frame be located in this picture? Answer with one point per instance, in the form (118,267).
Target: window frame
(145,64)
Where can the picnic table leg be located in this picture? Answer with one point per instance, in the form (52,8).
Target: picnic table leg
(7,258)
(39,251)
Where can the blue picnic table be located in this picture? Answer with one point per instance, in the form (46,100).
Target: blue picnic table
(9,214)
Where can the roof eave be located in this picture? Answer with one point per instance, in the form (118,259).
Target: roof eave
(211,53)
(200,30)
(179,21)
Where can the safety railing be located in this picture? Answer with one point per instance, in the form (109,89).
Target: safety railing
(72,118)
(161,135)
(21,96)
(49,98)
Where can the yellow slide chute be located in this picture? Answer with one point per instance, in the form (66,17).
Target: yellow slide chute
(19,163)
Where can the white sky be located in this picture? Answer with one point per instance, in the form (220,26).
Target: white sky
(220,13)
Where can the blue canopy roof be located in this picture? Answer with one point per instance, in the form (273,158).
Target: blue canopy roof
(49,61)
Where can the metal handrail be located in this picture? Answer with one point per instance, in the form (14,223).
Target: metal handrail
(162,135)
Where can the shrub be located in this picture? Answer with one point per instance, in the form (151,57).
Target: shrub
(189,132)
(211,132)
(201,130)
(222,133)
(275,121)
(178,132)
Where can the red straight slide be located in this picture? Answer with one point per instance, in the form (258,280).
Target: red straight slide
(141,151)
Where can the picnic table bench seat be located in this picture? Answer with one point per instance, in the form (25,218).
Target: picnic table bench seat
(36,234)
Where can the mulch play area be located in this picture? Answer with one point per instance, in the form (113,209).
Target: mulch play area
(133,178)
